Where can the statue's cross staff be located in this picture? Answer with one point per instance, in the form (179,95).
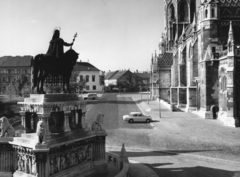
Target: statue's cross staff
(74,39)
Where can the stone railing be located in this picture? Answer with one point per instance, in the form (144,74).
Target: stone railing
(125,172)
(120,162)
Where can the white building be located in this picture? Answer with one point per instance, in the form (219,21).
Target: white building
(92,75)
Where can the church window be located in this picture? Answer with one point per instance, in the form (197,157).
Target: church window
(213,12)
(206,13)
(183,11)
(171,13)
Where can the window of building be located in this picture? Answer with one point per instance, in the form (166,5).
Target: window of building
(87,78)
(93,78)
(81,78)
(213,12)
(213,49)
(87,87)
(183,11)
(94,87)
(206,13)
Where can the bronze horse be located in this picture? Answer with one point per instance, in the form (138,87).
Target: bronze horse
(46,65)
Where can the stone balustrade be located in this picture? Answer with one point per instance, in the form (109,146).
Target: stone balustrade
(120,162)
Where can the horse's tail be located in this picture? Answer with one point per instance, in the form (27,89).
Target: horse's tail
(35,70)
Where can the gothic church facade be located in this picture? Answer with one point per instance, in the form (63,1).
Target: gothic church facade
(202,48)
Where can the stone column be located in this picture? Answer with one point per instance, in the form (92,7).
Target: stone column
(7,158)
(66,122)
(83,120)
(23,121)
(47,132)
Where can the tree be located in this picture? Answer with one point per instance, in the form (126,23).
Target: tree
(11,91)
(77,85)
(22,86)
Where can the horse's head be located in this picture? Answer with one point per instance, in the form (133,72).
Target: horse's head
(71,56)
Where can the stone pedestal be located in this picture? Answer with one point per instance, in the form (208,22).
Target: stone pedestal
(55,141)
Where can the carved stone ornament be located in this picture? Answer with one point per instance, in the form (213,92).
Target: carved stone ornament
(6,128)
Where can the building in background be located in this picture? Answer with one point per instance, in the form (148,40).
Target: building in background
(203,55)
(142,80)
(93,77)
(11,68)
(127,81)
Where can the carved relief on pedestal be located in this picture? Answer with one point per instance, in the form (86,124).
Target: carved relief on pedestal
(26,160)
(65,157)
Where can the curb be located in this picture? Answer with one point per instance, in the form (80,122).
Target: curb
(138,169)
(204,158)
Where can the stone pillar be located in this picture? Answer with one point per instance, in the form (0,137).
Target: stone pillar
(23,121)
(66,122)
(7,158)
(83,120)
(47,132)
(191,99)
(182,97)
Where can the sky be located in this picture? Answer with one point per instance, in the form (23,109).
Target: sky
(112,34)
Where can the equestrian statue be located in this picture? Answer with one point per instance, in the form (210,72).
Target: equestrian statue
(54,64)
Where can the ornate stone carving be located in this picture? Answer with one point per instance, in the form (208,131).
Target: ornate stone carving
(41,126)
(96,125)
(69,156)
(6,128)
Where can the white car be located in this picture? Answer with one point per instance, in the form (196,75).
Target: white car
(137,117)
(89,96)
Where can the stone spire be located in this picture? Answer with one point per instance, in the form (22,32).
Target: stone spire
(123,151)
(230,34)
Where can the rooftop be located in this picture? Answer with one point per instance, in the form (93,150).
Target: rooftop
(10,61)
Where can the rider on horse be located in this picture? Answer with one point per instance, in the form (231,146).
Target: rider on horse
(56,45)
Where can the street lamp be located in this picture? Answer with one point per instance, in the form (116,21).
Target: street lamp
(159,107)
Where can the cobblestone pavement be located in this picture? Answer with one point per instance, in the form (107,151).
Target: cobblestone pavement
(188,144)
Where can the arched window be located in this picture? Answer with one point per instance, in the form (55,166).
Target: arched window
(171,13)
(213,12)
(183,11)
(206,13)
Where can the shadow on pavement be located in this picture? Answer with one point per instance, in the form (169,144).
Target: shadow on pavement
(198,171)
(162,153)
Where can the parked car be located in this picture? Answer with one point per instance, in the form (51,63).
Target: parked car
(137,117)
(89,96)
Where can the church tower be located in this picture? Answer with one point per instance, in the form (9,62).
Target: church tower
(208,58)
(178,13)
